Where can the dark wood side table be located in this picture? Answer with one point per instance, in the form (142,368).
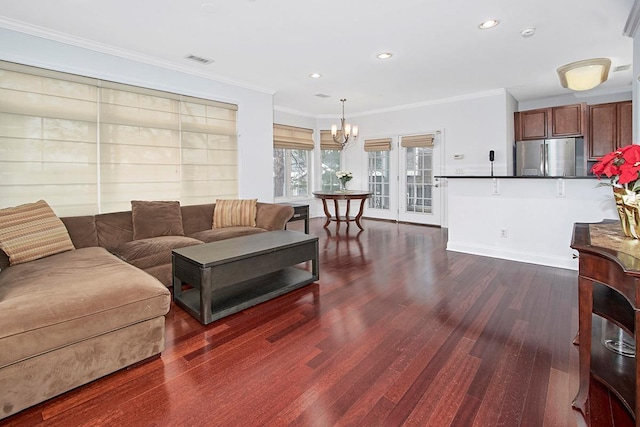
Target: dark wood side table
(609,288)
(342,195)
(300,213)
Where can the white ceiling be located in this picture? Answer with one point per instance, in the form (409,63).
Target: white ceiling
(273,45)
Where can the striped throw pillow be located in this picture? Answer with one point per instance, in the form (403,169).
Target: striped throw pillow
(32,231)
(235,213)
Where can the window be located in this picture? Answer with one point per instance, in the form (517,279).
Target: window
(294,165)
(419,179)
(292,149)
(378,171)
(330,165)
(89,146)
(331,158)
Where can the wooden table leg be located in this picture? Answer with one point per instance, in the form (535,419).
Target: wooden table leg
(326,212)
(348,209)
(360,213)
(337,208)
(585,306)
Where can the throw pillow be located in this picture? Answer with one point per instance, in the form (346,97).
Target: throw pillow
(154,219)
(32,231)
(235,213)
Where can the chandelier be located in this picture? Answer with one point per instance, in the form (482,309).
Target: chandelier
(341,136)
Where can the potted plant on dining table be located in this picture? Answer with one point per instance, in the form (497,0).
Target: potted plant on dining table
(344,177)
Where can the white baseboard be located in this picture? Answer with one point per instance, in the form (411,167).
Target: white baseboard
(502,253)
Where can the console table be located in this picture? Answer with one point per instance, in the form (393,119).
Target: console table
(609,288)
(342,195)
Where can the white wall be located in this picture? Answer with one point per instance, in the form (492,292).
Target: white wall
(538,221)
(470,125)
(255,108)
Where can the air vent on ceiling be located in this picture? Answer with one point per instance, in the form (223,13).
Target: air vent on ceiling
(622,68)
(322,95)
(199,59)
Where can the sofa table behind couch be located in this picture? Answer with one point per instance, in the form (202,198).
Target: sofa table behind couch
(233,274)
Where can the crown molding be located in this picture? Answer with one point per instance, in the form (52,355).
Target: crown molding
(412,106)
(65,38)
(633,21)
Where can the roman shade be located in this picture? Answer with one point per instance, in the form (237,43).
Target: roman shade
(93,146)
(381,144)
(292,138)
(425,140)
(327,142)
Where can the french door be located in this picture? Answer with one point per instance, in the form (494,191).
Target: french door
(418,189)
(403,180)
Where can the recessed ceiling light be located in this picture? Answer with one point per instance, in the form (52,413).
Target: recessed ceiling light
(489,23)
(315,75)
(528,32)
(385,55)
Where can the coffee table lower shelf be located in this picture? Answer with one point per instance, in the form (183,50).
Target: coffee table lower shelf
(246,294)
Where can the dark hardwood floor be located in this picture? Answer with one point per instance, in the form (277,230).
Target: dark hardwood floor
(397,331)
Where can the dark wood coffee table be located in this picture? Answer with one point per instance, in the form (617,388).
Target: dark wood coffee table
(230,275)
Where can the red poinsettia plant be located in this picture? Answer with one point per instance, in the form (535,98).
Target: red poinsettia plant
(621,167)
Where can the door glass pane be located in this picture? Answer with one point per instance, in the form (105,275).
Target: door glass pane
(379,179)
(419,179)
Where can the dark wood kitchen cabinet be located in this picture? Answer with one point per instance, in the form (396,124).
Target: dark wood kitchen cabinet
(554,122)
(610,127)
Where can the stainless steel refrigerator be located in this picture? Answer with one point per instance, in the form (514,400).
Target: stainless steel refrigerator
(550,157)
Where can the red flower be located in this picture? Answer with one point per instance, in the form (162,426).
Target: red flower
(621,166)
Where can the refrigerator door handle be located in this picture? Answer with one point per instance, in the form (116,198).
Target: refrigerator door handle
(546,159)
(542,159)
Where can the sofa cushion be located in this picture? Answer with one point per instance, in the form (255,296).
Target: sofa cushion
(197,217)
(235,213)
(146,253)
(156,218)
(32,231)
(66,298)
(225,233)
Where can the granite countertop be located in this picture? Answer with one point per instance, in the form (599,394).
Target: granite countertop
(515,177)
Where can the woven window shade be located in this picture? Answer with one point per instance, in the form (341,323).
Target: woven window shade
(91,146)
(327,142)
(425,140)
(382,144)
(292,138)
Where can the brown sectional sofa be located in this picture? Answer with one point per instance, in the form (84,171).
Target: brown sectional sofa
(73,317)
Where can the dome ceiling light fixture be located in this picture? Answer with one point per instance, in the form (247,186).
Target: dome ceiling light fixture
(385,55)
(341,136)
(584,75)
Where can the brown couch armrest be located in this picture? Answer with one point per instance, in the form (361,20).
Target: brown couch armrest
(271,216)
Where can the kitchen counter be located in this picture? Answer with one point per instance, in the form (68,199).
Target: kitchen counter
(526,219)
(515,177)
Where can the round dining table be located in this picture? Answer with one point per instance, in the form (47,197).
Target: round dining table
(347,195)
